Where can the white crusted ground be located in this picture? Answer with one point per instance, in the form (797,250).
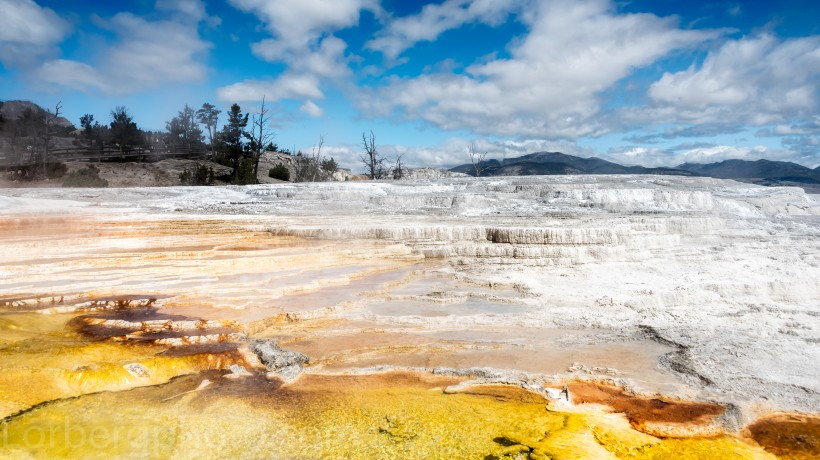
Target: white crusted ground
(717,281)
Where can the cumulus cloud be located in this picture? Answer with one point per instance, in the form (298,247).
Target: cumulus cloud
(73,74)
(757,80)
(801,128)
(301,38)
(192,9)
(650,157)
(551,85)
(326,60)
(310,108)
(188,10)
(289,86)
(434,19)
(142,58)
(28,31)
(296,25)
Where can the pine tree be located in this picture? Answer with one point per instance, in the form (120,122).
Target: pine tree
(184,131)
(208,115)
(231,137)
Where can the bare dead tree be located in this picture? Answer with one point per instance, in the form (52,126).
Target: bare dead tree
(260,135)
(373,163)
(316,159)
(301,167)
(477,159)
(297,165)
(398,169)
(308,167)
(51,120)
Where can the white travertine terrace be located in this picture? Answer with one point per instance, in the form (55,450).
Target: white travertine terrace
(692,287)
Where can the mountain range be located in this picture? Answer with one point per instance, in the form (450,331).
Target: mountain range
(762,172)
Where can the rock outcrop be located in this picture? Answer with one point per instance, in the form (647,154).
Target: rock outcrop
(284,364)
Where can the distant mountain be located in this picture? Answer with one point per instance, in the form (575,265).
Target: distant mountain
(762,172)
(555,163)
(11,110)
(760,169)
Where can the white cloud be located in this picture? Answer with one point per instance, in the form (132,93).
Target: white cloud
(300,32)
(327,60)
(310,108)
(640,156)
(148,54)
(804,127)
(27,31)
(346,156)
(435,19)
(289,86)
(190,9)
(72,74)
(759,80)
(551,85)
(301,38)
(297,24)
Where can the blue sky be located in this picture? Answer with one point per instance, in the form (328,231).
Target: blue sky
(651,82)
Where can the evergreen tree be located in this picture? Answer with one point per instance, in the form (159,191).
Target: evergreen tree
(231,138)
(87,123)
(183,131)
(124,130)
(208,115)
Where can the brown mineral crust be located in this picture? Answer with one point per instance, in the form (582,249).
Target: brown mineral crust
(54,303)
(147,325)
(203,349)
(788,436)
(654,416)
(312,382)
(211,359)
(503,393)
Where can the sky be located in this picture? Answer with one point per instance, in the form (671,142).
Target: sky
(646,82)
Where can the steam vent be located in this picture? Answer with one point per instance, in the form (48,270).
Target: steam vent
(556,317)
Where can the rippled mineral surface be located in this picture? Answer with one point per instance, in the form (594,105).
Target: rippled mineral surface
(540,317)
